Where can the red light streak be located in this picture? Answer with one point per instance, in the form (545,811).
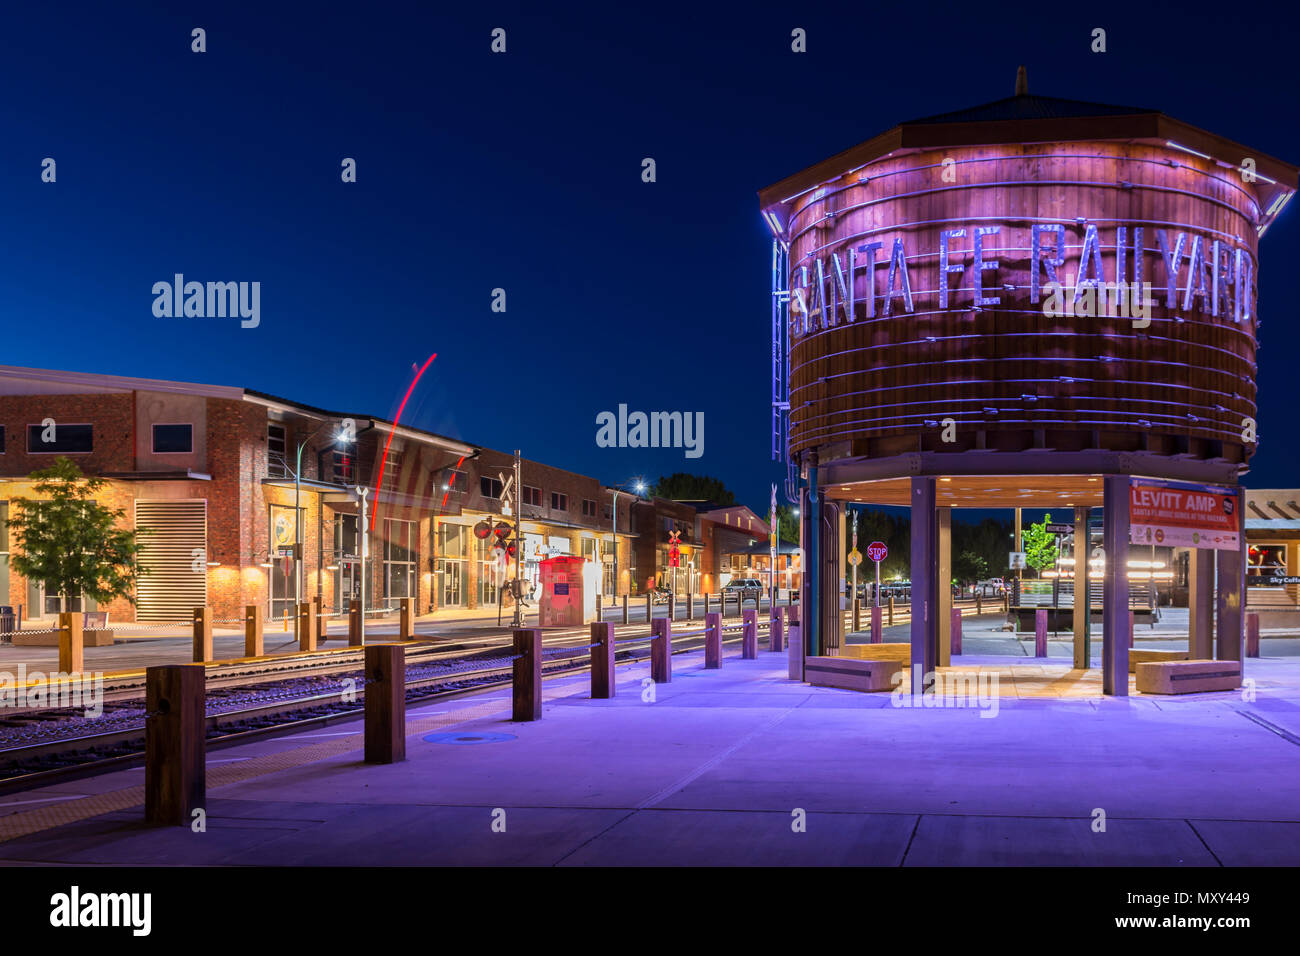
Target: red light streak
(384,460)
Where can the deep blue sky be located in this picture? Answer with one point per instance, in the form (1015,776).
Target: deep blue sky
(522,171)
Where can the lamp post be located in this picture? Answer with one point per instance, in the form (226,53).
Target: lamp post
(639,488)
(341,438)
(365,543)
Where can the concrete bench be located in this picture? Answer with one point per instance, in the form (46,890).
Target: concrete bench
(1187,677)
(879,652)
(848,673)
(1136,657)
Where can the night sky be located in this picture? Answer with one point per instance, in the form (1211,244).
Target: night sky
(522,171)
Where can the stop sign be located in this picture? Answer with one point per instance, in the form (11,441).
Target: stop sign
(877,551)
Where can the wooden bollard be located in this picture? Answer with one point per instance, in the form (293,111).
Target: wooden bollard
(955,629)
(1006,602)
(979,607)
(672,605)
(406,618)
(72,642)
(624,608)
(791,616)
(175,782)
(649,606)
(254,644)
(706,602)
(690,606)
(712,641)
(306,627)
(794,651)
(202,634)
(385,703)
(661,651)
(857,615)
(354,625)
(1040,632)
(749,634)
(776,630)
(528,674)
(891,610)
(602,660)
(1252,635)
(877,632)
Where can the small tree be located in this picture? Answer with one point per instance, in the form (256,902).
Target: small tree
(969,567)
(1040,546)
(69,541)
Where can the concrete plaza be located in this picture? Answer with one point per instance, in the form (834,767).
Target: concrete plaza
(723,766)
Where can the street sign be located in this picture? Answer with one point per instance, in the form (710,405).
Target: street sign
(855,557)
(1060,529)
(1017,561)
(877,551)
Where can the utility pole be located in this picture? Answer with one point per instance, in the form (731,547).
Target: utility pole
(365,548)
(518,621)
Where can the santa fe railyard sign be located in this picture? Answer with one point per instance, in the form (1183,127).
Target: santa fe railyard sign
(1184,516)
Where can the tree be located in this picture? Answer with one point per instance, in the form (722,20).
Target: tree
(686,487)
(968,567)
(1040,547)
(69,541)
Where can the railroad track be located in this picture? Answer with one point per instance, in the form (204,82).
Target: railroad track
(43,763)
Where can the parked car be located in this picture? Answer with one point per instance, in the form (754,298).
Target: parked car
(995,585)
(746,587)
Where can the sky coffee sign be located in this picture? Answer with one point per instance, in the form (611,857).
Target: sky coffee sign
(1185,516)
(1184,271)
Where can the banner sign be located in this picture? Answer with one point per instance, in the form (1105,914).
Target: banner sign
(1185,516)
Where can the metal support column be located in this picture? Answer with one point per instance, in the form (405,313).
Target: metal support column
(925,548)
(943,655)
(1200,604)
(1115,617)
(1082,650)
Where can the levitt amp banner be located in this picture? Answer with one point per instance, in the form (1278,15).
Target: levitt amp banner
(1184,516)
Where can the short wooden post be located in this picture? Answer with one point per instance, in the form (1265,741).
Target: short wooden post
(175,784)
(1006,602)
(306,627)
(649,605)
(661,650)
(385,703)
(202,635)
(528,674)
(749,634)
(600,607)
(1252,634)
(956,630)
(406,618)
(1040,632)
(979,607)
(877,632)
(795,651)
(72,642)
(624,608)
(690,606)
(672,605)
(354,625)
(891,610)
(776,630)
(712,641)
(254,644)
(857,615)
(602,660)
(706,602)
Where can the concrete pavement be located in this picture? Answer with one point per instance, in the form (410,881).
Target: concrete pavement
(738,766)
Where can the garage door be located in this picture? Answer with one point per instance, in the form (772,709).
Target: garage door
(169,589)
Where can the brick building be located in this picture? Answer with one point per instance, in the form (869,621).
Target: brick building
(209,473)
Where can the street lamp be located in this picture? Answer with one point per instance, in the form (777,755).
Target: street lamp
(638,486)
(342,438)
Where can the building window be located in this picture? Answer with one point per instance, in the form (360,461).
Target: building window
(532,496)
(453,482)
(559,502)
(489,572)
(343,468)
(392,471)
(64,439)
(452,565)
(173,439)
(588,508)
(277,465)
(489,487)
(2,439)
(399,558)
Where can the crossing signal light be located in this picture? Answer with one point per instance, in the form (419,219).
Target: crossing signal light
(482,530)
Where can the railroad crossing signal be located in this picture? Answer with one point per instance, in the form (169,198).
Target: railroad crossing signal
(877,551)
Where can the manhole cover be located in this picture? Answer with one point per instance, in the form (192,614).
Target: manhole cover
(467,738)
